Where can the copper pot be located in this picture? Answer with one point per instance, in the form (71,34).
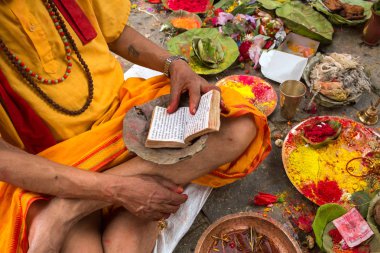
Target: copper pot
(371,31)
(269,227)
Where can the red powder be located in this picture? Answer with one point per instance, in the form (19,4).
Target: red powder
(335,236)
(190,6)
(260,91)
(325,191)
(305,222)
(319,132)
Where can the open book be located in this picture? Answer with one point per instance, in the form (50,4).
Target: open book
(178,129)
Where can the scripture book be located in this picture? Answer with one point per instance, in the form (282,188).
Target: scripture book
(179,129)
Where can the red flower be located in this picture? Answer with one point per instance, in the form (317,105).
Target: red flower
(268,44)
(264,199)
(244,50)
(217,11)
(154,1)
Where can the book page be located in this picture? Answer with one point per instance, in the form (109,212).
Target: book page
(199,121)
(167,127)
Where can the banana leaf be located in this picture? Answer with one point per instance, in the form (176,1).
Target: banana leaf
(208,51)
(325,214)
(272,4)
(338,19)
(182,45)
(304,20)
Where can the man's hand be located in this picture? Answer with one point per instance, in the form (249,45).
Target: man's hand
(149,197)
(183,79)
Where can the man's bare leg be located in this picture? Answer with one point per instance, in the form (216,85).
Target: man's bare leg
(222,147)
(126,231)
(85,236)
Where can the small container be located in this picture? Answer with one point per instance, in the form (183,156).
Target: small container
(299,45)
(291,94)
(371,31)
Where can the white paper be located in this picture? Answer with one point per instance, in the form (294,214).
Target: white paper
(139,71)
(167,127)
(199,121)
(280,66)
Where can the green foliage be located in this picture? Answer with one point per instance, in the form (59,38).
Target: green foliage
(304,20)
(337,19)
(209,52)
(376,7)
(325,214)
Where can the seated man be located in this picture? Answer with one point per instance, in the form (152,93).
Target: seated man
(62,102)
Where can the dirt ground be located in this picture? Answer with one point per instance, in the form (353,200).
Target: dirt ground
(270,176)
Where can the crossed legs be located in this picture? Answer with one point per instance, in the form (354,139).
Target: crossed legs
(126,233)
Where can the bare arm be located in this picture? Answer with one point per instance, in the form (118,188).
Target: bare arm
(134,47)
(40,175)
(137,49)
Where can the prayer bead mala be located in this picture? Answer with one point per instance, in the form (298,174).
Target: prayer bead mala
(31,76)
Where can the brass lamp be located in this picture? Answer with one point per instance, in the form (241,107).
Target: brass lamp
(370,115)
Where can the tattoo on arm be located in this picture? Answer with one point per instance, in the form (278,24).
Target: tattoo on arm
(133,52)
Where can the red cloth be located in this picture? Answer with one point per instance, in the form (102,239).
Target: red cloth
(32,130)
(77,19)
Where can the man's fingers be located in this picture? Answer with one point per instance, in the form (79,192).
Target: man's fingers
(166,208)
(170,185)
(175,94)
(207,88)
(195,96)
(175,199)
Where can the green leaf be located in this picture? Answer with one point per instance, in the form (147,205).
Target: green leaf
(338,19)
(304,20)
(221,3)
(271,4)
(361,200)
(182,45)
(246,9)
(325,214)
(375,242)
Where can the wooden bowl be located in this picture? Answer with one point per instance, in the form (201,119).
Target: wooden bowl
(241,221)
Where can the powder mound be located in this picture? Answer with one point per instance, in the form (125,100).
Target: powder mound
(190,6)
(320,133)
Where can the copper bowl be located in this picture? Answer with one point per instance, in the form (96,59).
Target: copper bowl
(241,221)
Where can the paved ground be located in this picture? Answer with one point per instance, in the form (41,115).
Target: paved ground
(270,176)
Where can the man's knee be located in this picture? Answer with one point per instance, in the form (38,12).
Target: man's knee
(242,131)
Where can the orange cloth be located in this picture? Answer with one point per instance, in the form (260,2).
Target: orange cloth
(102,147)
(93,140)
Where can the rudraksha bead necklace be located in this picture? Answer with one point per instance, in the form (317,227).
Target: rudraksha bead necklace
(31,77)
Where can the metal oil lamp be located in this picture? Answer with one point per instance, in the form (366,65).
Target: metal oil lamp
(370,115)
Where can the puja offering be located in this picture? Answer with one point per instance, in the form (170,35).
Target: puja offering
(299,45)
(350,12)
(336,79)
(208,51)
(246,232)
(184,20)
(321,133)
(304,20)
(254,32)
(336,169)
(257,91)
(248,241)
